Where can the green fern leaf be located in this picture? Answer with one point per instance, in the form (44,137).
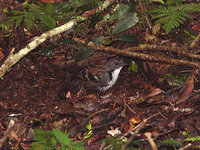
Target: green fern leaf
(35,9)
(193,139)
(174,13)
(48,21)
(50,9)
(18,21)
(29,21)
(8,23)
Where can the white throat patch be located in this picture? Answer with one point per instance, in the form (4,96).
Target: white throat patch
(115,75)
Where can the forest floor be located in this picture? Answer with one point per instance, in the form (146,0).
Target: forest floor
(38,93)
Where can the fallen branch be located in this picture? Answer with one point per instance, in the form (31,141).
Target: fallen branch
(137,130)
(143,56)
(12,59)
(168,48)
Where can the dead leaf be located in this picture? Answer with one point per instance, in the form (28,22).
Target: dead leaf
(156,28)
(68,95)
(114,132)
(133,122)
(155,92)
(1,54)
(189,88)
(150,37)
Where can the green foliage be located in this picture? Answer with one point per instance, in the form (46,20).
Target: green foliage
(175,80)
(126,23)
(54,140)
(41,15)
(186,134)
(193,139)
(173,13)
(114,142)
(121,11)
(84,52)
(190,37)
(126,20)
(89,133)
(172,142)
(133,66)
(130,38)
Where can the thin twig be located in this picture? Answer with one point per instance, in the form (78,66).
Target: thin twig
(150,140)
(128,106)
(134,134)
(185,147)
(7,133)
(136,131)
(14,58)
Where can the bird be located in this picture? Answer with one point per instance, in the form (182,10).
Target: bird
(101,77)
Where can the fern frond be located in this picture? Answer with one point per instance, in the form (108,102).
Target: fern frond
(39,15)
(172,2)
(48,21)
(29,21)
(171,16)
(193,139)
(50,9)
(18,21)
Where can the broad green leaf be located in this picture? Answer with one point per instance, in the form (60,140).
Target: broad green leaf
(133,66)
(61,137)
(100,40)
(77,145)
(130,38)
(5,10)
(84,52)
(121,11)
(186,134)
(89,127)
(126,23)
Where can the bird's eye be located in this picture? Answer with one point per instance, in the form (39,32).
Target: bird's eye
(116,63)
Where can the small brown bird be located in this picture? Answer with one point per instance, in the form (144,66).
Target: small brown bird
(101,77)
